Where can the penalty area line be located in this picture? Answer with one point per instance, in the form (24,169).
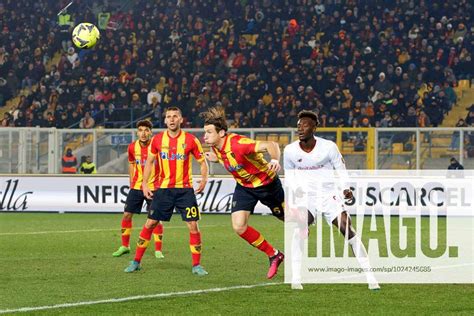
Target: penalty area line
(137,297)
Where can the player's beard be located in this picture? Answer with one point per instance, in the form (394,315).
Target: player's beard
(304,138)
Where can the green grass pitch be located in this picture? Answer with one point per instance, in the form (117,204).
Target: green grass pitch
(50,259)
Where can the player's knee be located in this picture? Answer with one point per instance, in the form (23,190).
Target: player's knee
(239,228)
(193,227)
(150,224)
(127,215)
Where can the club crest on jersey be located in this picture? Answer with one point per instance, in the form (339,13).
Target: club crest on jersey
(183,146)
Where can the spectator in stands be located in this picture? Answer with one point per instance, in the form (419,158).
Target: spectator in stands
(216,54)
(456,138)
(87,121)
(423,120)
(383,85)
(20,121)
(470,115)
(7,120)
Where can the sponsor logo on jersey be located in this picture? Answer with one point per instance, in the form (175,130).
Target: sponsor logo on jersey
(169,156)
(140,162)
(235,168)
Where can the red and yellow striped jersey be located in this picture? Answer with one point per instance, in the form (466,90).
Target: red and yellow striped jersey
(173,156)
(247,166)
(137,155)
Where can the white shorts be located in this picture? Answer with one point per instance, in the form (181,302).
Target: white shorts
(329,206)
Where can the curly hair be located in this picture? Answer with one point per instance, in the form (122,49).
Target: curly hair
(215,116)
(145,123)
(310,114)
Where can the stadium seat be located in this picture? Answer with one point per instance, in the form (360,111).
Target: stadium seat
(464,84)
(273,138)
(397,148)
(284,139)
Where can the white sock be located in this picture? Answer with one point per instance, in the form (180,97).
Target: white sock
(296,256)
(363,259)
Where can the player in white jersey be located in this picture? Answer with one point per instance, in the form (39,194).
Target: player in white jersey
(320,156)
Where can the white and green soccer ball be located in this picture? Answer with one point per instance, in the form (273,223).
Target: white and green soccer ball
(85,35)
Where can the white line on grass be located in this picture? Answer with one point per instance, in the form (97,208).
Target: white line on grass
(138,297)
(93,230)
(171,294)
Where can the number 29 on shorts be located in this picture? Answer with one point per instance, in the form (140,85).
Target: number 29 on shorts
(192,212)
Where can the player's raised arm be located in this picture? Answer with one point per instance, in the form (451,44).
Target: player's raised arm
(149,165)
(273,150)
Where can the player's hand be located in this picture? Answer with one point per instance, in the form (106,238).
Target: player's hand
(147,192)
(348,195)
(210,156)
(201,187)
(274,165)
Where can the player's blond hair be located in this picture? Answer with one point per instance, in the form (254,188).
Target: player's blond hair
(215,116)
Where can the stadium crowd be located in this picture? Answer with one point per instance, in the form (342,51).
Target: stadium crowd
(357,63)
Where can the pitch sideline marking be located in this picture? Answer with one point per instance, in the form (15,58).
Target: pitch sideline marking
(137,297)
(170,294)
(92,230)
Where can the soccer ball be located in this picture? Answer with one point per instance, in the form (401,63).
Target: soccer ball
(85,35)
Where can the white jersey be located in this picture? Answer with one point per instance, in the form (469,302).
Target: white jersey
(324,156)
(314,167)
(312,174)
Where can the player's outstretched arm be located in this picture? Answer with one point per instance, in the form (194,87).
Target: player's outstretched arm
(149,165)
(204,175)
(273,150)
